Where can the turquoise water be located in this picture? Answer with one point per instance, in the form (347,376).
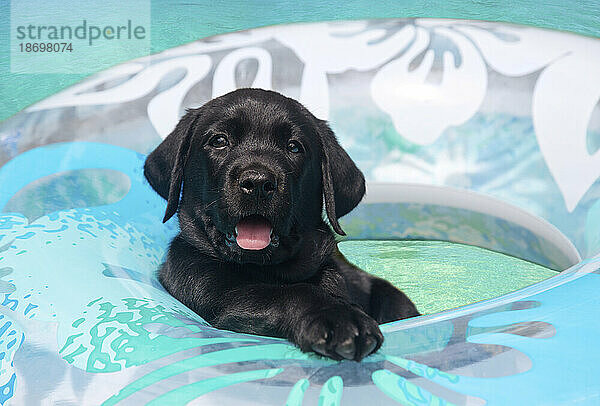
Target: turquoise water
(177,22)
(439,275)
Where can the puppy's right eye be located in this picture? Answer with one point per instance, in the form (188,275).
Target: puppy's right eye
(218,141)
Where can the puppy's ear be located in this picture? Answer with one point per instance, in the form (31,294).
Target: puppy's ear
(343,182)
(165,165)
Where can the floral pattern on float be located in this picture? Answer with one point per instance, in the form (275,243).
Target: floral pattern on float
(403,80)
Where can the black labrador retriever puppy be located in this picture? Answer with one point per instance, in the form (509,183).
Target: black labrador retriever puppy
(248,173)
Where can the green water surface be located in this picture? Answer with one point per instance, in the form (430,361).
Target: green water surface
(439,275)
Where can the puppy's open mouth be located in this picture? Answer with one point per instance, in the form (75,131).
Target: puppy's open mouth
(253,233)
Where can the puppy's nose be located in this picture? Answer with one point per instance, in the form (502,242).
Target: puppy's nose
(257,182)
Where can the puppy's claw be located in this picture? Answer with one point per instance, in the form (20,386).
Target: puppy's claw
(370,344)
(319,347)
(347,349)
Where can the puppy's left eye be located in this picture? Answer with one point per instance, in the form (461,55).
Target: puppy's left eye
(295,147)
(218,141)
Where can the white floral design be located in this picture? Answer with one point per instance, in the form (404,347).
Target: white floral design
(428,75)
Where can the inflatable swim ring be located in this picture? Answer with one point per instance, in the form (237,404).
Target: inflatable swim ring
(471,132)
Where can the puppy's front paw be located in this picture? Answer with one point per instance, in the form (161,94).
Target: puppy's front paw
(340,332)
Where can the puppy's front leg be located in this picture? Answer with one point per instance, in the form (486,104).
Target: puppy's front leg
(314,314)
(303,313)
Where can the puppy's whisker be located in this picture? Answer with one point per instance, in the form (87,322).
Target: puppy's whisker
(213,202)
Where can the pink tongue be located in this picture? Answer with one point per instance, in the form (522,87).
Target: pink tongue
(253,233)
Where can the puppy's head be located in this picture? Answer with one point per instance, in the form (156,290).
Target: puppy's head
(249,172)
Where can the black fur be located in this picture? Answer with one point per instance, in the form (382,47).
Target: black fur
(299,287)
